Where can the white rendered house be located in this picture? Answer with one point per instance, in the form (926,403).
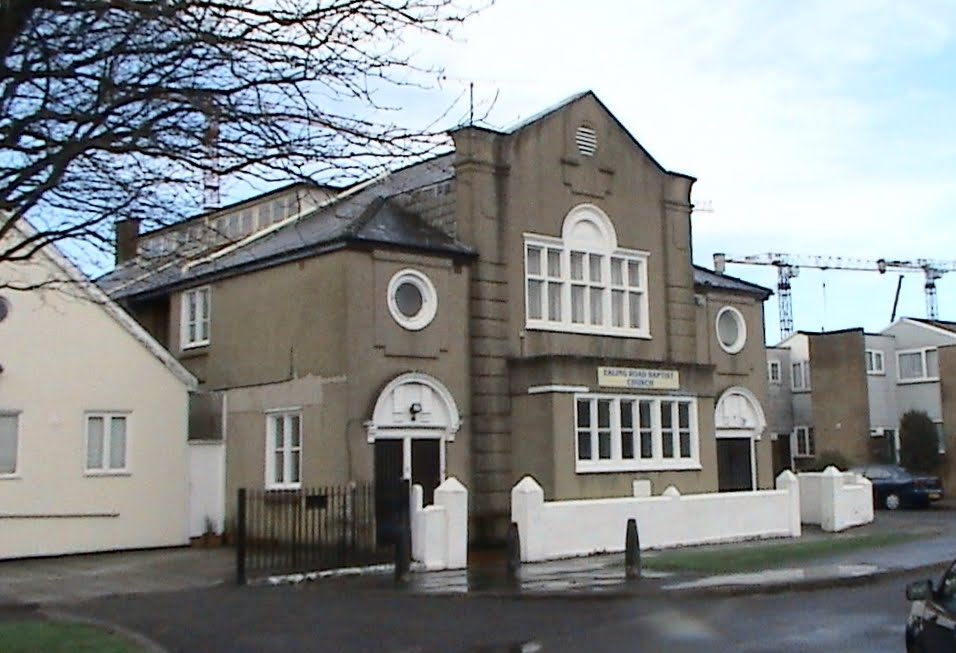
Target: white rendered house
(93,420)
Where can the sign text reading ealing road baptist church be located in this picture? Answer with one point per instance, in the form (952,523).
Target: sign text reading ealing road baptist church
(633,377)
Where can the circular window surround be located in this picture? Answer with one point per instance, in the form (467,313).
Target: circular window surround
(738,344)
(429,306)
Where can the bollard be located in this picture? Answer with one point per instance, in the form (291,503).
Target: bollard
(403,543)
(632,551)
(513,551)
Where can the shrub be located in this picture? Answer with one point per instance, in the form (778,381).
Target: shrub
(919,445)
(829,457)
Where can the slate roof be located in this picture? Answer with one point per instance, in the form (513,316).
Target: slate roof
(370,215)
(709,279)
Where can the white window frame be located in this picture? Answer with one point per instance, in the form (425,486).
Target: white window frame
(104,468)
(871,356)
(657,462)
(771,366)
(738,344)
(15,414)
(922,351)
(807,436)
(563,321)
(803,376)
(201,323)
(426,314)
(286,415)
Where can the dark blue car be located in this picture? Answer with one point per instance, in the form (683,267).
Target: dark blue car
(893,487)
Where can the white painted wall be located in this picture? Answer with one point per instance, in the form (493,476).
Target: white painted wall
(207,485)
(561,529)
(835,500)
(63,356)
(440,531)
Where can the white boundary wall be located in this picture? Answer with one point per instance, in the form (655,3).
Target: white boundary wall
(440,531)
(562,529)
(207,485)
(835,500)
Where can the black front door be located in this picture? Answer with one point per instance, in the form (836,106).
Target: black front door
(781,454)
(733,465)
(388,489)
(426,467)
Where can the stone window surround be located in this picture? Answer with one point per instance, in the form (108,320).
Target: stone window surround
(429,308)
(741,323)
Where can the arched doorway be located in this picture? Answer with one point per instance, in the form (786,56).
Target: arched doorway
(415,416)
(739,421)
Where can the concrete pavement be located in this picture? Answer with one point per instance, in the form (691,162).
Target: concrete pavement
(59,581)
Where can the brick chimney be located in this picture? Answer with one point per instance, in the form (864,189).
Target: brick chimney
(127,239)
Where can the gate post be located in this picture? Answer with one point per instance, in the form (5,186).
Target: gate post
(632,551)
(241,537)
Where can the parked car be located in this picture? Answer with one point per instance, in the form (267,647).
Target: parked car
(931,625)
(893,486)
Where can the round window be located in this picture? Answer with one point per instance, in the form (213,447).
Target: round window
(731,330)
(412,300)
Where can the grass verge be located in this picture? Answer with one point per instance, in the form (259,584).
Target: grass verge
(33,635)
(768,556)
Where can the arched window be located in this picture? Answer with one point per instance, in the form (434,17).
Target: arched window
(583,282)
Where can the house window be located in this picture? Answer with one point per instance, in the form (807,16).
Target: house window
(195,318)
(284,450)
(800,375)
(582,282)
(874,361)
(918,365)
(9,443)
(412,299)
(806,447)
(618,433)
(731,330)
(106,442)
(773,371)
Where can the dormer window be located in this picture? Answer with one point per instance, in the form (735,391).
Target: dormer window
(583,282)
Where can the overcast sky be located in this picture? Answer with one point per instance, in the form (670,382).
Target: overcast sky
(813,127)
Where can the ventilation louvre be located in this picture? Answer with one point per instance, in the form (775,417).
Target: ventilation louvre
(586,140)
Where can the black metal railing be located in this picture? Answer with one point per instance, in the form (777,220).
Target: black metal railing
(297,531)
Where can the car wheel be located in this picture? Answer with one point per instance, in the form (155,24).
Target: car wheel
(892,501)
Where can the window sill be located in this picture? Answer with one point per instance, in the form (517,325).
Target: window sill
(194,351)
(105,474)
(928,379)
(804,456)
(876,373)
(10,477)
(618,467)
(800,390)
(583,329)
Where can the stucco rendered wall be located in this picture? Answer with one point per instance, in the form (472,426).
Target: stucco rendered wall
(326,453)
(560,529)
(63,356)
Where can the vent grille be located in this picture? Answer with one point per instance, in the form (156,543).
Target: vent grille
(586,140)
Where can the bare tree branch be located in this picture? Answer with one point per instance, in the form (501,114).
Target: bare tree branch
(109,109)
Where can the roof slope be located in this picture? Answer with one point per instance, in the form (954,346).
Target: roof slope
(84,285)
(364,214)
(709,279)
(939,324)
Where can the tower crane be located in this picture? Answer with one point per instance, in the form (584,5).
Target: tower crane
(788,267)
